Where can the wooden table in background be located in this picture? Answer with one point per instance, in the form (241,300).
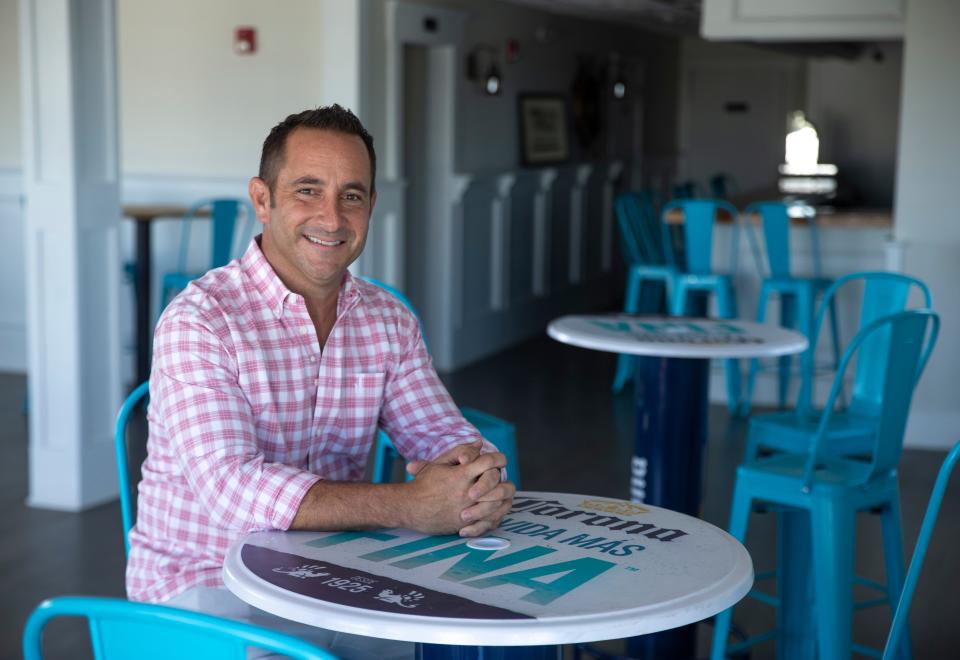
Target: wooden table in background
(144,215)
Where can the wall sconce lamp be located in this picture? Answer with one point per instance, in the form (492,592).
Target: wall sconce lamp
(618,85)
(482,69)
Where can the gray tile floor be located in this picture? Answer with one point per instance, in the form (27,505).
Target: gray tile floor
(573,436)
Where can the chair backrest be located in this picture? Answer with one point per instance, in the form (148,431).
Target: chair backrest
(910,337)
(120,629)
(883,294)
(224,215)
(639,228)
(722,185)
(699,217)
(919,552)
(684,190)
(141,393)
(775,221)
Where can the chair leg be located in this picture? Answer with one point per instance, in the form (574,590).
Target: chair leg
(727,306)
(383,459)
(631,304)
(678,300)
(626,365)
(739,518)
(835,339)
(752,444)
(834,529)
(747,401)
(893,561)
(789,305)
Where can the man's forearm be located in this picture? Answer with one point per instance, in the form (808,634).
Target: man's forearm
(336,505)
(435,502)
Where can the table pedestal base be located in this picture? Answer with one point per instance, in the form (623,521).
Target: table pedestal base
(671,432)
(667,470)
(445,652)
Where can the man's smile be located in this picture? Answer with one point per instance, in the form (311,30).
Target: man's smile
(324,243)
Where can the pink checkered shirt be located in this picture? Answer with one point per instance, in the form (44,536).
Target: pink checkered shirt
(246,414)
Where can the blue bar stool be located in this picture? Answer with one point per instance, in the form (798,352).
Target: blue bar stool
(699,217)
(643,241)
(824,492)
(797,294)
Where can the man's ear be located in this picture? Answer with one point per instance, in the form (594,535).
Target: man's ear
(373,202)
(259,193)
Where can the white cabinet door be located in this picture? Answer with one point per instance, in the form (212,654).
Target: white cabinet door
(802,20)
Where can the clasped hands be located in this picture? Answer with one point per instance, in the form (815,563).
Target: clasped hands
(459,492)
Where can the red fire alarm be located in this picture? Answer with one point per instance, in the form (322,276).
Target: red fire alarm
(245,40)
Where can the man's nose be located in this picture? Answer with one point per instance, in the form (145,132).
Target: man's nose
(328,213)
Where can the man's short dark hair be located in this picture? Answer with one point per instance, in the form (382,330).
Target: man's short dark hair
(329,118)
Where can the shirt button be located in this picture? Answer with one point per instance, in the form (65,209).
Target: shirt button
(313,358)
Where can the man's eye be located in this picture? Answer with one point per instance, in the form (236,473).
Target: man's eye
(305,191)
(353,197)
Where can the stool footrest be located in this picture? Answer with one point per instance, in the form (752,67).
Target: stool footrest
(751,641)
(764,598)
(873,602)
(865,650)
(879,586)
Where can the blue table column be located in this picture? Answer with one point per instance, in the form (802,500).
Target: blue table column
(671,433)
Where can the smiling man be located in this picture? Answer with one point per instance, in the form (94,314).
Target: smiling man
(271,376)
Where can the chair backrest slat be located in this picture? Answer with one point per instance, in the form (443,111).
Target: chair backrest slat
(699,217)
(225,228)
(640,228)
(138,395)
(919,552)
(122,629)
(224,216)
(883,293)
(911,336)
(775,222)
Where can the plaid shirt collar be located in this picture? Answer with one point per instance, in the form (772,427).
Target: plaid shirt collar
(275,293)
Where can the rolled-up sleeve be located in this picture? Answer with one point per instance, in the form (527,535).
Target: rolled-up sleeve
(208,424)
(418,413)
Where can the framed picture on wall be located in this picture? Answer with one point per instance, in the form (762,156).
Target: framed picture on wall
(543,129)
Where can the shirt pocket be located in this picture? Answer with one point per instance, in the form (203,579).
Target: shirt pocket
(362,398)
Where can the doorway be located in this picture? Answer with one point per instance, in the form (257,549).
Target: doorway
(428,106)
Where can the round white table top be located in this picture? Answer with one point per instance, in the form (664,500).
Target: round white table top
(676,337)
(575,568)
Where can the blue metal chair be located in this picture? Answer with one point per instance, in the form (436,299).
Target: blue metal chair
(797,294)
(852,429)
(899,624)
(824,492)
(643,242)
(224,216)
(697,274)
(500,432)
(132,402)
(120,629)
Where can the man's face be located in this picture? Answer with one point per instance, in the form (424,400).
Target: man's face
(316,219)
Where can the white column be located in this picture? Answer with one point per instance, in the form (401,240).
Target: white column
(925,216)
(71,248)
